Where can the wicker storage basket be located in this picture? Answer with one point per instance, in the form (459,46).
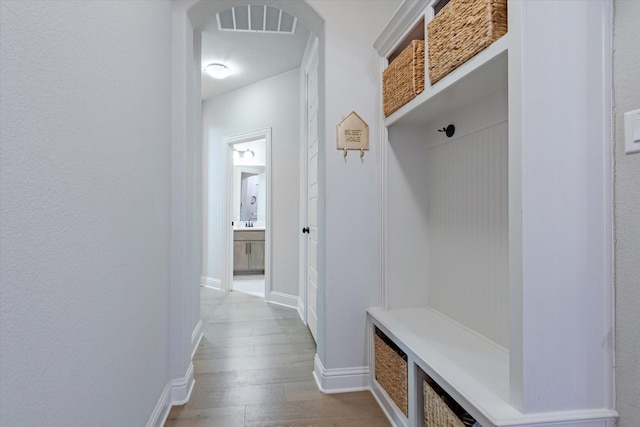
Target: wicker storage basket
(391,370)
(436,412)
(440,410)
(404,78)
(461,30)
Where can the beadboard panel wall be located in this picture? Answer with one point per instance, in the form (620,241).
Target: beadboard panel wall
(468,230)
(447,224)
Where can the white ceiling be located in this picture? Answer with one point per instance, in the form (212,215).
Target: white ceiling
(251,56)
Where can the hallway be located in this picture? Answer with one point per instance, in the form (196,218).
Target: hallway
(253,368)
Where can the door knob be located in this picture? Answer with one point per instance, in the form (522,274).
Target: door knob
(305,229)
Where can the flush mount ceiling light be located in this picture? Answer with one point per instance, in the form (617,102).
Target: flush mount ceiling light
(217,71)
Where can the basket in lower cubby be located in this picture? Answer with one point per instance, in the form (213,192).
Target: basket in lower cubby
(391,370)
(440,410)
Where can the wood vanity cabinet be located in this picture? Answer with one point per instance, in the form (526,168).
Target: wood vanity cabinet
(248,252)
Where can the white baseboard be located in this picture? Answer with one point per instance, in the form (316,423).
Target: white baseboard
(342,380)
(161,411)
(196,337)
(176,392)
(181,388)
(286,300)
(210,282)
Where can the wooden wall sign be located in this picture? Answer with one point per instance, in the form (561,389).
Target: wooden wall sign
(353,134)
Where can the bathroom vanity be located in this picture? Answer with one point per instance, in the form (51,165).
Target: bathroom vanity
(248,251)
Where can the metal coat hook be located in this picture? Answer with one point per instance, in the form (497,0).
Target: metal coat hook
(346,152)
(449,130)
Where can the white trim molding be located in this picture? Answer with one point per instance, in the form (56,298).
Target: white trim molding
(340,380)
(227,202)
(176,392)
(586,418)
(405,18)
(161,411)
(181,388)
(287,300)
(301,307)
(211,283)
(196,337)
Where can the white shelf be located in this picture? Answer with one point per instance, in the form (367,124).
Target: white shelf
(472,369)
(552,380)
(481,75)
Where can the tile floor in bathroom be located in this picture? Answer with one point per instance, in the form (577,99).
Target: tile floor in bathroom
(249,284)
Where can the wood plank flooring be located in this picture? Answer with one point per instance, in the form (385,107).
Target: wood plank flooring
(253,368)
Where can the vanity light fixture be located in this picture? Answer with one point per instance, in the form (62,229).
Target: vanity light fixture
(241,153)
(217,71)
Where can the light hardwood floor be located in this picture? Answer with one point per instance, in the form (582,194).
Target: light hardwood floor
(253,368)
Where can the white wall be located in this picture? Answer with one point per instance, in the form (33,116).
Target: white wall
(627,214)
(272,103)
(351,214)
(85,211)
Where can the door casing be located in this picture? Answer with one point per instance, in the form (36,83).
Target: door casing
(227,208)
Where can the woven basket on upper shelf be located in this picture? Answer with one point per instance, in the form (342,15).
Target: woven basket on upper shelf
(391,370)
(461,30)
(404,78)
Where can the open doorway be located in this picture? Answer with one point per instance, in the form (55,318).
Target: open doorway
(197,168)
(246,213)
(249,179)
(270,91)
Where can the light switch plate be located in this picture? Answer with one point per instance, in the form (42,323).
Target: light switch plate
(632,132)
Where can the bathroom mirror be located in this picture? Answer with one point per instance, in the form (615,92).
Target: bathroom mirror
(249,196)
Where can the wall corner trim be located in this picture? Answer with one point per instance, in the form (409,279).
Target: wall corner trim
(176,392)
(181,388)
(341,380)
(196,337)
(301,309)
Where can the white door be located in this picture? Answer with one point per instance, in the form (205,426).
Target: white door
(312,196)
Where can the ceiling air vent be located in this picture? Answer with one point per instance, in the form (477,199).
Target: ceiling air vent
(253,18)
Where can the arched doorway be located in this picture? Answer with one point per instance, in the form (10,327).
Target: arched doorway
(202,14)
